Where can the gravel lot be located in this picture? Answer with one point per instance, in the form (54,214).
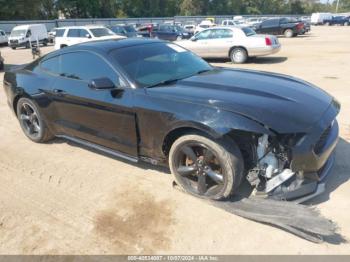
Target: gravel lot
(59,198)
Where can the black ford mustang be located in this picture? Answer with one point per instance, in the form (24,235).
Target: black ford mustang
(155,101)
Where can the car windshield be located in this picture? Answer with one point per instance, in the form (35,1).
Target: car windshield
(157,63)
(18,32)
(129,29)
(248,31)
(100,32)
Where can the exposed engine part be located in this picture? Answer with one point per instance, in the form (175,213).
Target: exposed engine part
(266,158)
(271,170)
(278,180)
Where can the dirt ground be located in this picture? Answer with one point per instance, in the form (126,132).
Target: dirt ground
(59,198)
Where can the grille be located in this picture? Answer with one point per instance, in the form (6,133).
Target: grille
(14,41)
(322,141)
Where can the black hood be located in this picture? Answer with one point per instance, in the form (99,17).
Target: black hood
(282,103)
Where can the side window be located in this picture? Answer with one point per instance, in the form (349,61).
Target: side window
(269,23)
(221,33)
(51,65)
(204,35)
(86,66)
(83,33)
(60,32)
(73,33)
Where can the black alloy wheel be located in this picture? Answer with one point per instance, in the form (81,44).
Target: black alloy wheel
(204,168)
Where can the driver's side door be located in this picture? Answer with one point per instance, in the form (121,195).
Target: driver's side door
(103,117)
(200,43)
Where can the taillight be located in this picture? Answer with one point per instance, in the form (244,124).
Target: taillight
(268,41)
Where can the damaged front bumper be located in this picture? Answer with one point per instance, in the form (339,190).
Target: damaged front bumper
(312,167)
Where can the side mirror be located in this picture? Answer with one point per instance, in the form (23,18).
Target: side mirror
(88,36)
(102,84)
(193,38)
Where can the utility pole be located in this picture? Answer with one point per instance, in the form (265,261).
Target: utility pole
(336,9)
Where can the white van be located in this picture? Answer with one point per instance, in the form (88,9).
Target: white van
(318,18)
(24,34)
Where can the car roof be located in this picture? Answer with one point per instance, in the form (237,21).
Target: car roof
(105,46)
(81,26)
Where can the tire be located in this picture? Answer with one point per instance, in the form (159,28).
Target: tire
(31,121)
(238,55)
(179,38)
(288,33)
(13,47)
(346,24)
(63,46)
(45,42)
(27,45)
(225,165)
(328,24)
(1,66)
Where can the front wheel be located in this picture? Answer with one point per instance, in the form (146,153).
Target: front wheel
(239,55)
(31,121)
(206,168)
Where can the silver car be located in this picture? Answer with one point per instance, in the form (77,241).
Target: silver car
(236,43)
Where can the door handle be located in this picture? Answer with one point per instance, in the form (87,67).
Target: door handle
(59,92)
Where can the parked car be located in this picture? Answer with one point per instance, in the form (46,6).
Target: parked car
(52,35)
(338,20)
(124,30)
(3,37)
(67,36)
(318,18)
(1,63)
(149,100)
(235,43)
(281,26)
(307,25)
(190,28)
(24,35)
(146,30)
(170,32)
(204,25)
(230,23)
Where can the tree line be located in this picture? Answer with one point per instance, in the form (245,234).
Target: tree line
(52,9)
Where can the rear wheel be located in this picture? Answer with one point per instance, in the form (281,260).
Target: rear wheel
(179,38)
(32,122)
(346,23)
(288,33)
(238,55)
(206,168)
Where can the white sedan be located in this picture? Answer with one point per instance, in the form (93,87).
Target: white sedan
(236,43)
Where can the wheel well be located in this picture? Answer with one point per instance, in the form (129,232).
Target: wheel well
(175,134)
(245,141)
(63,46)
(237,46)
(15,102)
